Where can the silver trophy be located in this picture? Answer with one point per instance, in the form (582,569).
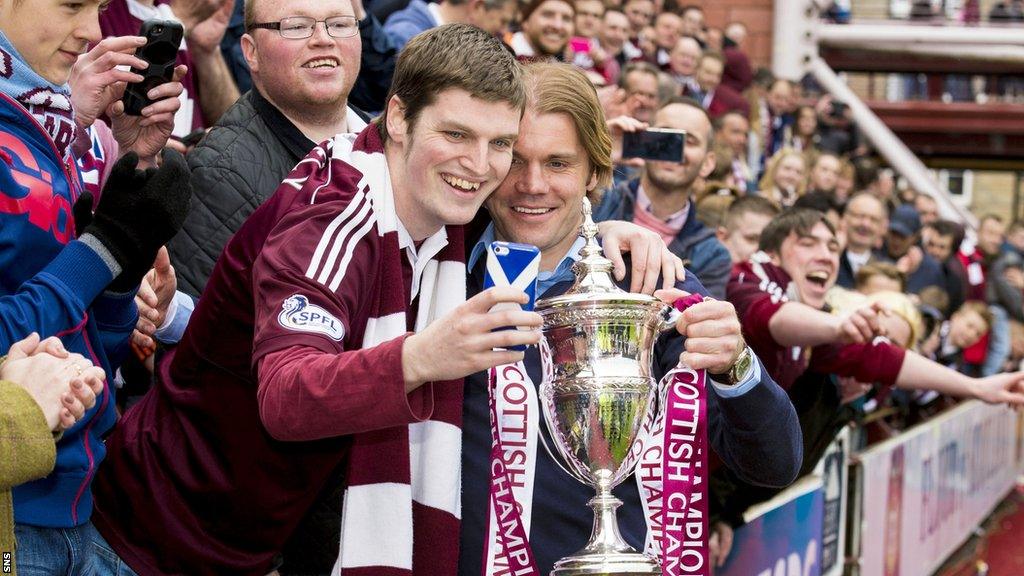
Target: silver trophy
(597,390)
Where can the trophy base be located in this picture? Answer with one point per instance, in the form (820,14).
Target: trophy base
(607,564)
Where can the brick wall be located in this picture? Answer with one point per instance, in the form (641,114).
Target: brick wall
(756,15)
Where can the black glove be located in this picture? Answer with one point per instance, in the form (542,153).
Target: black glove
(82,210)
(139,212)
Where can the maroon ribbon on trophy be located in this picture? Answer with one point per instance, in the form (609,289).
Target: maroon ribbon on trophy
(672,470)
(684,537)
(507,547)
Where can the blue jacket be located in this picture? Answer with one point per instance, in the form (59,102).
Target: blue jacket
(756,434)
(52,284)
(696,244)
(402,25)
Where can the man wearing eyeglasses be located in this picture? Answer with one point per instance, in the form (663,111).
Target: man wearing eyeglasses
(304,56)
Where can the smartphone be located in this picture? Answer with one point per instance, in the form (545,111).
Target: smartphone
(163,38)
(662,144)
(580,44)
(516,265)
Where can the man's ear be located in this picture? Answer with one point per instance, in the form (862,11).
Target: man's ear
(592,182)
(250,53)
(397,125)
(708,166)
(775,258)
(721,233)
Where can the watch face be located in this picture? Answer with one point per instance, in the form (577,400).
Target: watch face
(742,366)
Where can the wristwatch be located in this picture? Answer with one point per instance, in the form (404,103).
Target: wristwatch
(741,369)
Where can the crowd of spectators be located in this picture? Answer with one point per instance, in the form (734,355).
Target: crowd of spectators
(145,245)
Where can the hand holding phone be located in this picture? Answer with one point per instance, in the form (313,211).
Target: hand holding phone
(515,265)
(163,39)
(660,144)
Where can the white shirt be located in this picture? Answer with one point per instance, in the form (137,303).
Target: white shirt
(857,260)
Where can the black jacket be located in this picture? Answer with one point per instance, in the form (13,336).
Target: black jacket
(235,168)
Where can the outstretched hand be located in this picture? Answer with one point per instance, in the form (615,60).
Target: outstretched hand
(863,325)
(1007,388)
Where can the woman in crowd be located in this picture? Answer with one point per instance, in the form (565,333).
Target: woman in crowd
(804,136)
(784,178)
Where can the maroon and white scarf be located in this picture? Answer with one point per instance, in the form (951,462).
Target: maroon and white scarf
(402,504)
(48,103)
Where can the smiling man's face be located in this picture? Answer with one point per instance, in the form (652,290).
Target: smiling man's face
(811,260)
(539,202)
(303,73)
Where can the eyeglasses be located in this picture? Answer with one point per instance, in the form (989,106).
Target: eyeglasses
(298,27)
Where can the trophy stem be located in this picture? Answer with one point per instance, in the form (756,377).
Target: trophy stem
(605,537)
(606,552)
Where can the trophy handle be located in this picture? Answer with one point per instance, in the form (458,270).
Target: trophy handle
(547,370)
(558,459)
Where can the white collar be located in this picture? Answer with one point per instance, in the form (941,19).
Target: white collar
(521,46)
(354,122)
(435,12)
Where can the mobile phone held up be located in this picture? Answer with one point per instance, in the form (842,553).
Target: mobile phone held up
(516,265)
(163,38)
(661,144)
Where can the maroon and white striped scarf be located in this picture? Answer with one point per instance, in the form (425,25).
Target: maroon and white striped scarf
(48,103)
(402,504)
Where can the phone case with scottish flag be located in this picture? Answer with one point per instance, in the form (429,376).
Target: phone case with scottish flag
(516,265)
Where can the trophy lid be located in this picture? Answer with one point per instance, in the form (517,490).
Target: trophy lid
(594,282)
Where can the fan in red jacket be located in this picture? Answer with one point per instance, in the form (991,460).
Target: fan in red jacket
(780,298)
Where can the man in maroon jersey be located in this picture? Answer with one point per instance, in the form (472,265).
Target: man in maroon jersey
(334,332)
(779,295)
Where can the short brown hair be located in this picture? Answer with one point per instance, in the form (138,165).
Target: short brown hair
(712,55)
(798,220)
(453,56)
(636,66)
(749,205)
(249,14)
(558,88)
(887,269)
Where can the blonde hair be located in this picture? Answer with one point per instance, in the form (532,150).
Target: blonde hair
(886,269)
(843,301)
(903,306)
(558,88)
(767,182)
